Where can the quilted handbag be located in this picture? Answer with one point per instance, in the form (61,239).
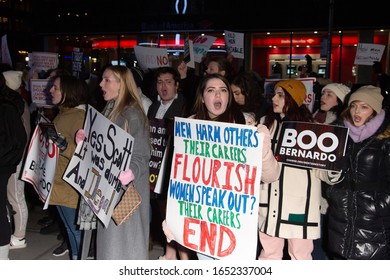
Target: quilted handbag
(129,202)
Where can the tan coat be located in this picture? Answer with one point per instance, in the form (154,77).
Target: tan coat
(67,122)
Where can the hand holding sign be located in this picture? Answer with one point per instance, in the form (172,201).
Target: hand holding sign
(267,138)
(80,136)
(126,177)
(168,233)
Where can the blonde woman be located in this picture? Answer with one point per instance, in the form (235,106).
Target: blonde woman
(130,240)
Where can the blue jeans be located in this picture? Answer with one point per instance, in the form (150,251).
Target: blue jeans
(69,217)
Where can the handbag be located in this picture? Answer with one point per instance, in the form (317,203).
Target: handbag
(129,202)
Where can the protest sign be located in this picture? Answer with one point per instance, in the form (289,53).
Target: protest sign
(312,145)
(5,54)
(40,164)
(367,54)
(43,61)
(95,166)
(214,187)
(201,45)
(158,141)
(234,43)
(151,58)
(40,94)
(188,56)
(77,62)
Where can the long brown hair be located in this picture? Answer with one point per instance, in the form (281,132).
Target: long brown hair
(291,111)
(232,114)
(74,91)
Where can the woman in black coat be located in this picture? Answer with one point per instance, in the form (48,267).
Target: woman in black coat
(359,205)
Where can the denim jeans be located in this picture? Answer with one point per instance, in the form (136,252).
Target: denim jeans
(69,217)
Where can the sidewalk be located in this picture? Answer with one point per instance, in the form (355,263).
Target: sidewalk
(40,247)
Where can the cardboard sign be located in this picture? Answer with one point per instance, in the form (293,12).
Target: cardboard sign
(40,165)
(202,44)
(234,44)
(214,188)
(95,166)
(43,61)
(40,94)
(367,54)
(188,57)
(151,58)
(158,140)
(312,145)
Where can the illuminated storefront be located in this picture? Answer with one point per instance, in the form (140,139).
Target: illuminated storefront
(263,51)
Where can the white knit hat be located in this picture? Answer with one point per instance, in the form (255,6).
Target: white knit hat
(340,90)
(13,79)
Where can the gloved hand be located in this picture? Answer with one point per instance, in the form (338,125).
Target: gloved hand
(80,136)
(59,140)
(267,138)
(167,232)
(125,177)
(334,176)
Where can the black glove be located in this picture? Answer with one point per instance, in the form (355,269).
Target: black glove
(57,139)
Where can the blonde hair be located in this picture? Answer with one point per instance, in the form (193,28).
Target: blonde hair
(128,92)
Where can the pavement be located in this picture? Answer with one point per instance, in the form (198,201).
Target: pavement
(41,246)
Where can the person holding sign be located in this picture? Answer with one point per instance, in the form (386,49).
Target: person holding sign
(359,205)
(213,102)
(189,81)
(128,241)
(332,104)
(290,207)
(70,95)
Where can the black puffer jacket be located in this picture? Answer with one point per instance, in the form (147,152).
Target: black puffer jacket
(359,206)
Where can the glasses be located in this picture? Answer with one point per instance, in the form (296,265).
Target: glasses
(169,82)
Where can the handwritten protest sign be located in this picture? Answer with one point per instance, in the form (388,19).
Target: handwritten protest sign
(43,61)
(201,45)
(40,94)
(158,140)
(40,164)
(367,54)
(312,145)
(151,58)
(95,166)
(77,62)
(214,186)
(234,43)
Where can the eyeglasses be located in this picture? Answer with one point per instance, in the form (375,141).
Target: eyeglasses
(169,82)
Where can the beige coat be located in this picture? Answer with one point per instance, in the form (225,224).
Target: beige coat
(290,206)
(67,122)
